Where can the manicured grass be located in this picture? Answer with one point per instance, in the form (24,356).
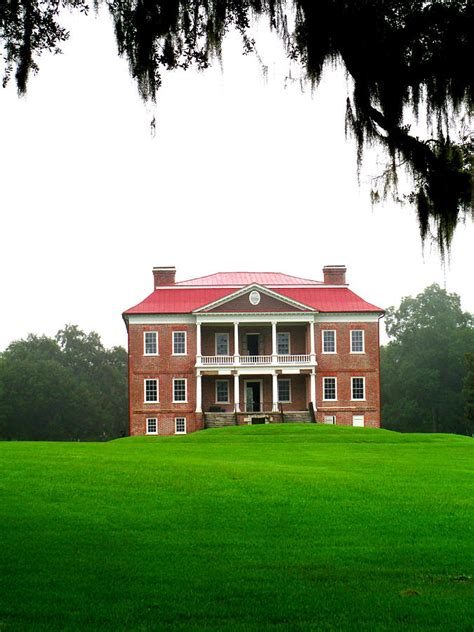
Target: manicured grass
(270,527)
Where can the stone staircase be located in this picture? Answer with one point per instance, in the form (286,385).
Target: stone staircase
(298,417)
(219,420)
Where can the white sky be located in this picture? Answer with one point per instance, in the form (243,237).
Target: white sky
(243,174)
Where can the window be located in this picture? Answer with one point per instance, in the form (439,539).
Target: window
(180,425)
(358,387)
(357,341)
(330,419)
(358,420)
(152,426)
(151,390)
(179,343)
(330,387)
(150,343)
(329,341)
(283,343)
(179,390)
(284,390)
(222,344)
(222,391)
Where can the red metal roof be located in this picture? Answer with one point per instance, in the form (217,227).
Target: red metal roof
(328,299)
(178,301)
(241,279)
(181,300)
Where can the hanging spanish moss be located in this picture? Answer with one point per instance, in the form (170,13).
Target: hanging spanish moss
(401,55)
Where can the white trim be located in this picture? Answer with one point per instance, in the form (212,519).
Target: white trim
(151,401)
(285,379)
(287,333)
(155,419)
(347,317)
(181,432)
(228,392)
(359,418)
(180,331)
(165,319)
(363,341)
(323,331)
(144,343)
(222,333)
(250,288)
(358,399)
(254,317)
(185,400)
(326,318)
(332,422)
(329,377)
(261,394)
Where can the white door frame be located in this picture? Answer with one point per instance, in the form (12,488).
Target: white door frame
(261,393)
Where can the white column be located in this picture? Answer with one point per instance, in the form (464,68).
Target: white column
(236,343)
(312,349)
(313,389)
(198,393)
(275,391)
(198,342)
(236,393)
(274,342)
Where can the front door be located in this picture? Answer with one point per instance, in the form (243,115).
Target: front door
(253,397)
(253,344)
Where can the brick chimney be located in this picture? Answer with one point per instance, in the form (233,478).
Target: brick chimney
(334,275)
(164,275)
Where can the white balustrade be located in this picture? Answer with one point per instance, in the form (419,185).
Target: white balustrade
(293,359)
(260,359)
(220,359)
(254,360)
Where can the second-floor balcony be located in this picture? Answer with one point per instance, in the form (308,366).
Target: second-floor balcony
(254,360)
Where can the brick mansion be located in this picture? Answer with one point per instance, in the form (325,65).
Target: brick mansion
(252,347)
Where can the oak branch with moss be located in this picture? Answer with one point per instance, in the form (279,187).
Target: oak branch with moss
(401,55)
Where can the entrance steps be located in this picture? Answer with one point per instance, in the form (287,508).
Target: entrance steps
(298,417)
(219,420)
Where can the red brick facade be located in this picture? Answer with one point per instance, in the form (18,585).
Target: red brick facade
(257,364)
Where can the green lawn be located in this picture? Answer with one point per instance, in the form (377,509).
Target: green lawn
(291,527)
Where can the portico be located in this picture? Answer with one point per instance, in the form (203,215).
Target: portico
(278,346)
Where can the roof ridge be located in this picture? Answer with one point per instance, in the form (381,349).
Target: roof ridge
(256,273)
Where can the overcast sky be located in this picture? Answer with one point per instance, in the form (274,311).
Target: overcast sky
(242,174)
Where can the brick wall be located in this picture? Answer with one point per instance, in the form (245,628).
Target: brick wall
(165,367)
(344,365)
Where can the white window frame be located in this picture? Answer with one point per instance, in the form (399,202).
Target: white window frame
(221,333)
(330,377)
(151,401)
(149,432)
(360,418)
(284,333)
(357,399)
(145,333)
(185,400)
(185,352)
(332,418)
(363,341)
(228,392)
(323,331)
(176,431)
(284,401)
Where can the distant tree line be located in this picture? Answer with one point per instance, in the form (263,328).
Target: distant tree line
(65,388)
(428,366)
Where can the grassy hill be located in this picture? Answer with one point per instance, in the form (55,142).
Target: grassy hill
(253,528)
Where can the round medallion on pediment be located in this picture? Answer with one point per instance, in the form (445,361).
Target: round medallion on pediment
(254,297)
